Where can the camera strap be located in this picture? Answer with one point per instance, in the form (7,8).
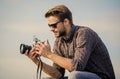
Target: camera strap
(39,69)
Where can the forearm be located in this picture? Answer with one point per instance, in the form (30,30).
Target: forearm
(61,61)
(53,72)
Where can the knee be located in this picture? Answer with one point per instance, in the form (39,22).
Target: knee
(82,75)
(73,75)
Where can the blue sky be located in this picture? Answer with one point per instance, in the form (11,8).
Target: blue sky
(21,19)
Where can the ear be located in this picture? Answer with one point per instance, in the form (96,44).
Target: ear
(66,21)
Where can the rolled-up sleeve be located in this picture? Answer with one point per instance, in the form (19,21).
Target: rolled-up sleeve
(83,49)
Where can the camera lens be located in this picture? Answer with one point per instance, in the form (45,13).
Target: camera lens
(24,47)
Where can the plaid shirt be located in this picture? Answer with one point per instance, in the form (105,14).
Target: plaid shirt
(87,51)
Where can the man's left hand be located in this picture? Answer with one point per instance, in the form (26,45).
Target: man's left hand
(43,49)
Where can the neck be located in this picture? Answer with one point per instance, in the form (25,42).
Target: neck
(68,29)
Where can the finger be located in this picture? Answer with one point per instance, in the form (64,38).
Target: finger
(29,54)
(32,50)
(36,47)
(47,42)
(26,53)
(41,44)
(38,43)
(34,55)
(38,52)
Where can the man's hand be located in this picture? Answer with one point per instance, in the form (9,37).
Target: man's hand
(43,49)
(32,55)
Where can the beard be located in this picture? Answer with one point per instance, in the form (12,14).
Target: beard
(61,33)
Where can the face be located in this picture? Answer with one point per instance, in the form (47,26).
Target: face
(56,26)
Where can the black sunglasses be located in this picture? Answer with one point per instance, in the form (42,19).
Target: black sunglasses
(54,25)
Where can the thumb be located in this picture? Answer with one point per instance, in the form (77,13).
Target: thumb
(47,43)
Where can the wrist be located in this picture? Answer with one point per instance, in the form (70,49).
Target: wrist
(36,61)
(49,55)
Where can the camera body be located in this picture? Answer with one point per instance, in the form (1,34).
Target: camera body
(24,47)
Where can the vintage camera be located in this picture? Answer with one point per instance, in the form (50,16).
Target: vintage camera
(24,47)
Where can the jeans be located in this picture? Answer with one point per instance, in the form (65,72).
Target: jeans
(79,75)
(82,75)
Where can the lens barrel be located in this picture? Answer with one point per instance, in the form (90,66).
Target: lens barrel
(24,47)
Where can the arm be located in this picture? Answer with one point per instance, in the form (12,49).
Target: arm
(51,71)
(44,50)
(61,61)
(46,68)
(83,48)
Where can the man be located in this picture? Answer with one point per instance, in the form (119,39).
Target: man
(77,49)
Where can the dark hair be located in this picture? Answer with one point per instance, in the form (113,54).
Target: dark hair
(60,11)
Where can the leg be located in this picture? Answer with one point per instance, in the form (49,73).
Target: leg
(55,78)
(82,75)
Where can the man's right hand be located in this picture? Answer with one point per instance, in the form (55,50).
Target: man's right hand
(32,55)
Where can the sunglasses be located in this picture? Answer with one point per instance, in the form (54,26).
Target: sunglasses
(54,25)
